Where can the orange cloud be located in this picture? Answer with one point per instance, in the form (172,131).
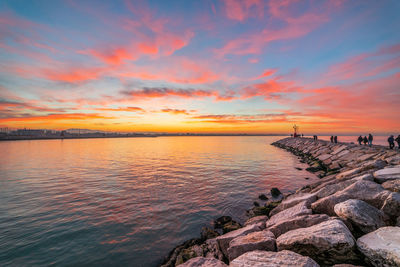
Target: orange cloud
(130,109)
(243,119)
(177,111)
(271,89)
(57,117)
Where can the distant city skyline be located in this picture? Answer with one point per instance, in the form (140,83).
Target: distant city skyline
(255,67)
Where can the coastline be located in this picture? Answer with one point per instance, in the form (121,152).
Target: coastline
(22,138)
(349,216)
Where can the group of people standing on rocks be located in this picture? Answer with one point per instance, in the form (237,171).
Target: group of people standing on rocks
(334,139)
(368,140)
(365,140)
(391,140)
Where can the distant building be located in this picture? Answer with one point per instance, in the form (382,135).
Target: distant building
(29,132)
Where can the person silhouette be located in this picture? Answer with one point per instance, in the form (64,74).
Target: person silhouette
(370,139)
(335,139)
(398,141)
(332,139)
(359,139)
(391,142)
(365,140)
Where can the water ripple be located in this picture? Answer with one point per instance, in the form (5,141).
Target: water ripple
(128,202)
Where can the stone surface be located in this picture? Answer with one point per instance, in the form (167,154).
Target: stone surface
(226,224)
(392,185)
(362,215)
(346,265)
(193,248)
(275,192)
(368,191)
(335,186)
(255,220)
(203,262)
(387,174)
(283,258)
(381,247)
(324,157)
(348,173)
(391,206)
(328,242)
(297,222)
(262,240)
(223,240)
(373,164)
(294,200)
(297,210)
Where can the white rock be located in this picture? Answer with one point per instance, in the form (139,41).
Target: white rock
(381,247)
(203,262)
(328,242)
(294,200)
(368,191)
(297,210)
(256,220)
(223,240)
(387,174)
(297,222)
(262,240)
(283,258)
(362,215)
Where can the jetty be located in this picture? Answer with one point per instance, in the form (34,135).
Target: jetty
(350,217)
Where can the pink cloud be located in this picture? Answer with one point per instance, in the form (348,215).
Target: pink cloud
(365,65)
(72,75)
(241,10)
(294,26)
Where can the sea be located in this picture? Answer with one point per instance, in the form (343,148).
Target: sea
(130,201)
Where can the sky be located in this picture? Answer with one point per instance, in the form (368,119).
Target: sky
(201,66)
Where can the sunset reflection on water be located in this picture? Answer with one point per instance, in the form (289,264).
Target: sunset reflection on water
(128,201)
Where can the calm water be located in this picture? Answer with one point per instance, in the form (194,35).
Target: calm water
(129,201)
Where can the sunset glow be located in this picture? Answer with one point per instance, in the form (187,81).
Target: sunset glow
(201,66)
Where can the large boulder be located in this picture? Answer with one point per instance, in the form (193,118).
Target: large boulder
(284,258)
(370,192)
(297,222)
(328,242)
(362,215)
(256,220)
(203,262)
(381,247)
(194,248)
(223,240)
(297,210)
(391,206)
(373,164)
(392,185)
(387,174)
(292,200)
(335,186)
(262,240)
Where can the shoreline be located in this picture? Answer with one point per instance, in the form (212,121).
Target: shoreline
(347,217)
(31,138)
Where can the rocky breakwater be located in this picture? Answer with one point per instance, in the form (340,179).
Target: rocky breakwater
(350,217)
